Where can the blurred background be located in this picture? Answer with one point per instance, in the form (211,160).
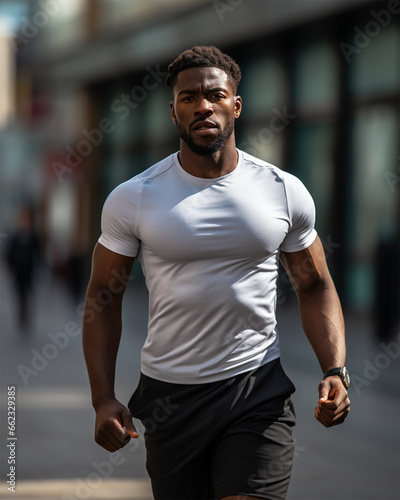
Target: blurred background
(83,107)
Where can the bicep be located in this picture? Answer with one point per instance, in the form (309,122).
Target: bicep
(306,268)
(110,271)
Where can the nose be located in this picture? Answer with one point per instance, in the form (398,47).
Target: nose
(204,106)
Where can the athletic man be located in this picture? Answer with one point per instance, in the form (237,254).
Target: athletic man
(209,225)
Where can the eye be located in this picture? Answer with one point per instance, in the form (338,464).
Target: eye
(188,98)
(217,96)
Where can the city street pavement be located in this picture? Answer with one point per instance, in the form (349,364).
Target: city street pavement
(57,458)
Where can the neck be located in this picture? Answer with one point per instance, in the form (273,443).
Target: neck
(217,164)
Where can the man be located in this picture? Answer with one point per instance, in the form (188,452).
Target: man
(209,225)
(22,256)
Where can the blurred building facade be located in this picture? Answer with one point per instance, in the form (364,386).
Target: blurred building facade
(320,96)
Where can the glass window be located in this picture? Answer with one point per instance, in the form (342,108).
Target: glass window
(117,12)
(372,217)
(375,154)
(263,87)
(375,68)
(316,76)
(263,143)
(159,125)
(118,168)
(126,115)
(313,164)
(65,28)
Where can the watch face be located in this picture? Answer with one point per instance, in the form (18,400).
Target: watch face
(345,376)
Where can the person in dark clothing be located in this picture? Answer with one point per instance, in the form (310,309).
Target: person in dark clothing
(22,255)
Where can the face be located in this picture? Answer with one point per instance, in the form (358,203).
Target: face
(204,109)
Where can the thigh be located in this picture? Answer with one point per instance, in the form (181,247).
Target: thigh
(178,465)
(254,456)
(177,444)
(258,462)
(189,430)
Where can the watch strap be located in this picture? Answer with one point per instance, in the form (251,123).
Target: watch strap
(334,371)
(342,373)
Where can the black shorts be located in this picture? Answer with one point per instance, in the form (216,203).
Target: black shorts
(208,441)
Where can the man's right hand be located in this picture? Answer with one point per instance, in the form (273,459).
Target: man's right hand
(114,425)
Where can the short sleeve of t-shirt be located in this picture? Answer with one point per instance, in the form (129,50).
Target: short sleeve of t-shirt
(118,220)
(301,208)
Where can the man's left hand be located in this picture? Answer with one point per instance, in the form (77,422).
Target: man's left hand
(333,404)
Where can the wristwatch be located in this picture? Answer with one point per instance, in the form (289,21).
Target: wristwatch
(343,374)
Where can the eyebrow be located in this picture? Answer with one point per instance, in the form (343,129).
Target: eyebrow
(209,90)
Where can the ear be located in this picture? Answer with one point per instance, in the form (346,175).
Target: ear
(173,117)
(238,106)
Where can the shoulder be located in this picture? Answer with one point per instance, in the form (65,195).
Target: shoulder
(298,202)
(290,181)
(156,170)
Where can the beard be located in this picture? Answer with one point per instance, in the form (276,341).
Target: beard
(213,146)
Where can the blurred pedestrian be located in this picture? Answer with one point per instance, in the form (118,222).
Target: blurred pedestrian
(208,225)
(22,258)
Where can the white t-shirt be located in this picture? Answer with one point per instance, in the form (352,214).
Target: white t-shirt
(209,249)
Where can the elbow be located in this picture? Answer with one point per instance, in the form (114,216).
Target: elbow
(319,285)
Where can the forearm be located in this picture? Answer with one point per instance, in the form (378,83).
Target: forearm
(322,320)
(102,327)
(101,336)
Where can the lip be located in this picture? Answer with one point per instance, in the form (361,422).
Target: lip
(204,125)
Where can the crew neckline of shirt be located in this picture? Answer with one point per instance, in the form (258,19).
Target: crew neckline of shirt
(205,180)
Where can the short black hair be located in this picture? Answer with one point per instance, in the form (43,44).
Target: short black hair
(204,57)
